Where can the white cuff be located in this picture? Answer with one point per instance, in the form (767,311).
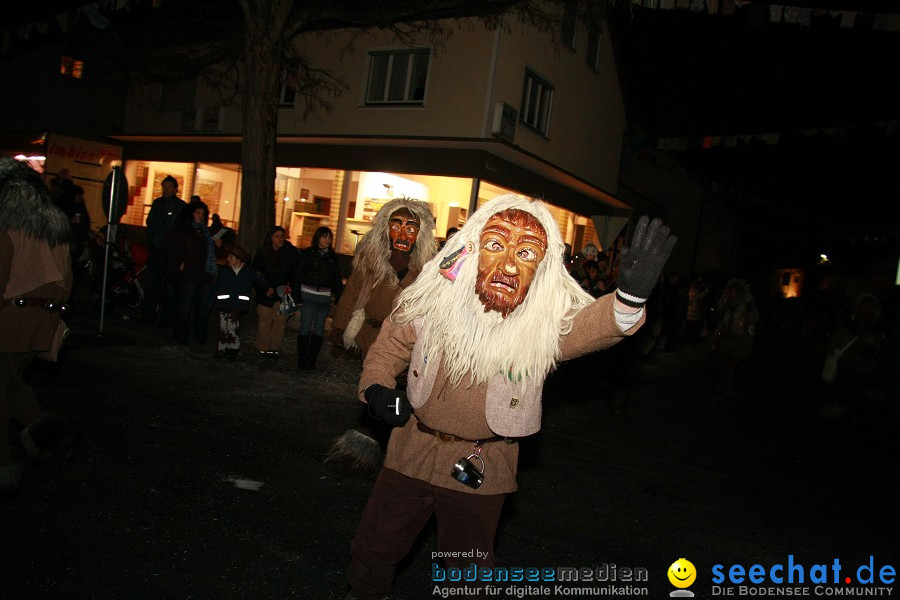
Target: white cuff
(626,321)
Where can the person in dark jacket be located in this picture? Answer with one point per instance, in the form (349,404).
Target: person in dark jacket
(190,258)
(164,213)
(318,278)
(231,294)
(276,259)
(81,223)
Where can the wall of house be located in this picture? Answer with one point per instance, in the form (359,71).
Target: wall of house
(588,117)
(454,96)
(470,72)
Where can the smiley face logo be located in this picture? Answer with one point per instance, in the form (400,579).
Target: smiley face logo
(682,573)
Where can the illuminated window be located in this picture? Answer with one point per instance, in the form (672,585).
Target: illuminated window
(397,77)
(71,67)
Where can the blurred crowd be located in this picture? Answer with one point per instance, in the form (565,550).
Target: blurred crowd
(848,340)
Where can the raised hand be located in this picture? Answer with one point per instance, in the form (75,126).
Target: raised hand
(642,263)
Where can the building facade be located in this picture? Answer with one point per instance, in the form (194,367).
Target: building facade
(486,112)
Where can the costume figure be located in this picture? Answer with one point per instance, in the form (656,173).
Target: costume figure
(479,330)
(35,281)
(387,261)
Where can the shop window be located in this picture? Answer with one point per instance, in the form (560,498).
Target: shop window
(397,77)
(70,67)
(595,36)
(537,101)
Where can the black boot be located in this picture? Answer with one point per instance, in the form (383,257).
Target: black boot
(315,345)
(302,352)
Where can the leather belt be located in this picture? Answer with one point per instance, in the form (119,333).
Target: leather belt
(449,437)
(45,303)
(374,323)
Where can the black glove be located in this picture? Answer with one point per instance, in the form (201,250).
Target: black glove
(389,405)
(642,263)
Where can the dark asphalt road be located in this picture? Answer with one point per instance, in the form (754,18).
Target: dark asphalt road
(197,478)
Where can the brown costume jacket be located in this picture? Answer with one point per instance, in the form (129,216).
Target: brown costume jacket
(32,269)
(378,303)
(465,412)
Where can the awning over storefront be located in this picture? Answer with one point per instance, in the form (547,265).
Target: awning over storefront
(488,160)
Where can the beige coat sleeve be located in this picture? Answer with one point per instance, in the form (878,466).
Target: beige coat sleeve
(595,328)
(388,356)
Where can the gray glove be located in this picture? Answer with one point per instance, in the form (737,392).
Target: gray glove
(642,263)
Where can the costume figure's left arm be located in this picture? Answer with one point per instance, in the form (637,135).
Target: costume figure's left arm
(610,318)
(388,356)
(595,327)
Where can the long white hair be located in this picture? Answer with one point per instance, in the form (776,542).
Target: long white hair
(477,345)
(373,253)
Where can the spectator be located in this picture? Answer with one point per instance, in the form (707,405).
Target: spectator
(674,306)
(228,237)
(318,278)
(81,224)
(190,265)
(231,294)
(695,314)
(277,260)
(592,283)
(450,232)
(861,342)
(35,280)
(164,212)
(732,340)
(589,252)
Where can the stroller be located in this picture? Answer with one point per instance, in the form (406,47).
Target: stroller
(127,268)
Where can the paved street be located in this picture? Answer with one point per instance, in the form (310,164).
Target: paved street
(196,478)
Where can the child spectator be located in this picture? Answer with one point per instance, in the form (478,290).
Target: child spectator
(231,293)
(594,282)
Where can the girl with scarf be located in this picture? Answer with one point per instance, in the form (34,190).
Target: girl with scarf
(318,278)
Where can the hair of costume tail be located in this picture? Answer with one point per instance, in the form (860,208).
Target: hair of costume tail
(355,453)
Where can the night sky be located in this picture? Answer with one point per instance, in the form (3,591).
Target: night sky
(832,94)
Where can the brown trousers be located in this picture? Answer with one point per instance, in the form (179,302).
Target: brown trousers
(269,328)
(395,514)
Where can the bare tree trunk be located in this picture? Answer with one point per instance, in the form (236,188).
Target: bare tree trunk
(261,75)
